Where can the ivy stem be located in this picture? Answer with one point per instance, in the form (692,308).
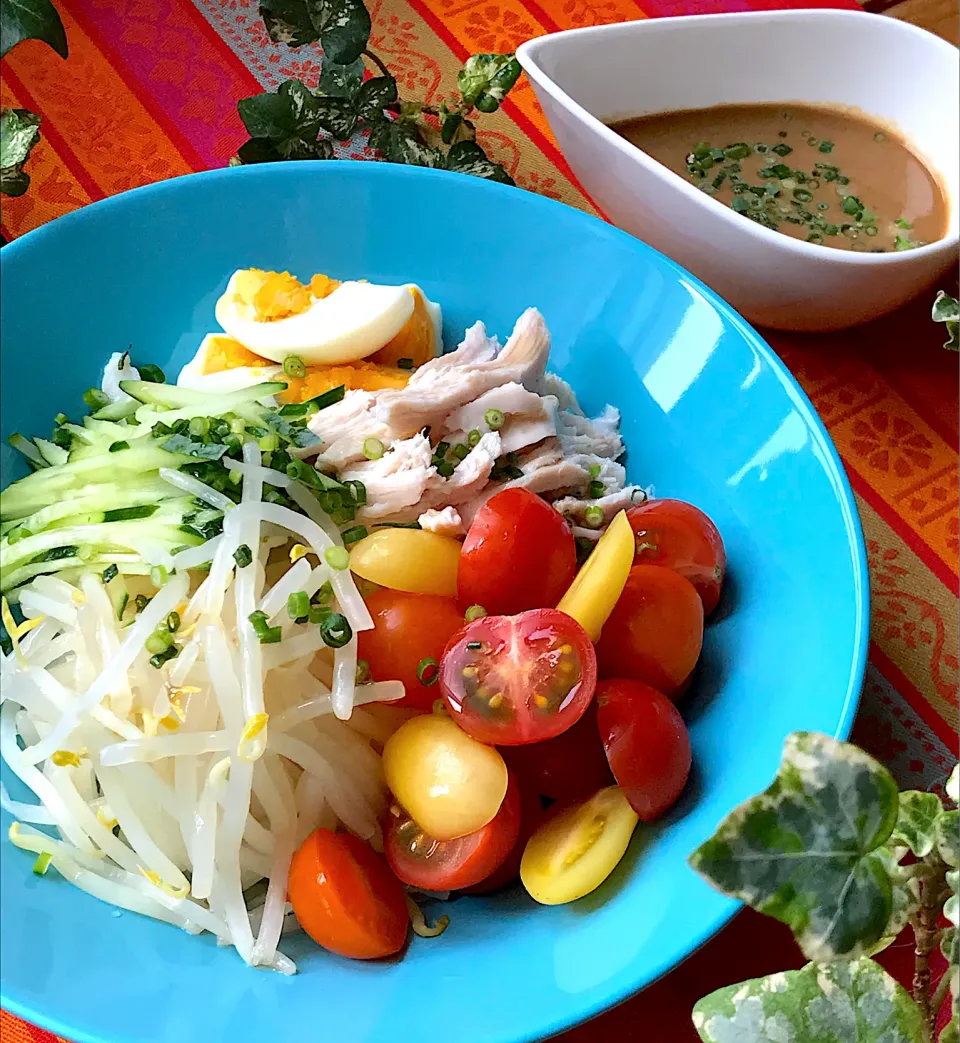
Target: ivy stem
(384,71)
(927,934)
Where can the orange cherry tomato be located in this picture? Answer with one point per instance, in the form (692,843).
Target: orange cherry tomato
(655,632)
(681,537)
(408,628)
(448,865)
(346,898)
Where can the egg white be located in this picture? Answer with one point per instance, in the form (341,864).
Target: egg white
(354,321)
(236,379)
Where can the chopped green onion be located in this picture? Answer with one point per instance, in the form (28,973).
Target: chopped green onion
(298,605)
(335,630)
(593,517)
(473,438)
(42,862)
(318,613)
(879,136)
(116,447)
(199,425)
(474,612)
(95,398)
(826,146)
(85,552)
(445,469)
(237,426)
(236,477)
(363,671)
(242,556)
(428,671)
(337,558)
(405,363)
(158,641)
(154,374)
(461,451)
(494,419)
(271,636)
(267,635)
(358,532)
(60,418)
(595,490)
(902,222)
(594,470)
(141,601)
(357,490)
(110,572)
(584,548)
(293,366)
(900,243)
(156,661)
(328,398)
(297,470)
(373,448)
(158,575)
(268,442)
(173,622)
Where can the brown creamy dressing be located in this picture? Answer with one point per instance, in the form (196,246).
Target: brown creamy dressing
(824,175)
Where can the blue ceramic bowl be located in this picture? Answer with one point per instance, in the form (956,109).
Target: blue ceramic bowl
(709,415)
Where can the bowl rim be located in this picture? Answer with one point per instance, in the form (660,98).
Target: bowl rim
(527,55)
(832,462)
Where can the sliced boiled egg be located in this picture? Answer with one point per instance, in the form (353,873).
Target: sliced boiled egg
(223,364)
(274,315)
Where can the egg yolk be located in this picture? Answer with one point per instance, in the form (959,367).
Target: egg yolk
(417,341)
(365,376)
(226,353)
(278,295)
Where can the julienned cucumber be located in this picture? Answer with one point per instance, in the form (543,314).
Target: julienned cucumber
(96,498)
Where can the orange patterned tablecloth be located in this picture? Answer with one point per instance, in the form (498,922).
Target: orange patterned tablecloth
(150,91)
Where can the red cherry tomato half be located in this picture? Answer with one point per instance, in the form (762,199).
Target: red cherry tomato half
(510,680)
(568,768)
(681,537)
(655,632)
(518,554)
(407,628)
(531,815)
(646,743)
(448,865)
(346,898)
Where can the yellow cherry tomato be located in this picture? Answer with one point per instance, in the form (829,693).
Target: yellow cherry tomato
(577,848)
(598,585)
(413,560)
(449,784)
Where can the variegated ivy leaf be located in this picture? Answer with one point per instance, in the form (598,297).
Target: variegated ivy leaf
(401,142)
(947,310)
(904,898)
(337,116)
(340,81)
(951,908)
(19,132)
(341,26)
(855,1002)
(485,80)
(917,820)
(374,96)
(467,157)
(809,850)
(31,20)
(948,837)
(953,782)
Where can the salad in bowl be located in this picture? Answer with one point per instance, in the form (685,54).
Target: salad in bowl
(336,622)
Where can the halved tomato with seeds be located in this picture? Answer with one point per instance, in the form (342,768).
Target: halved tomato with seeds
(510,680)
